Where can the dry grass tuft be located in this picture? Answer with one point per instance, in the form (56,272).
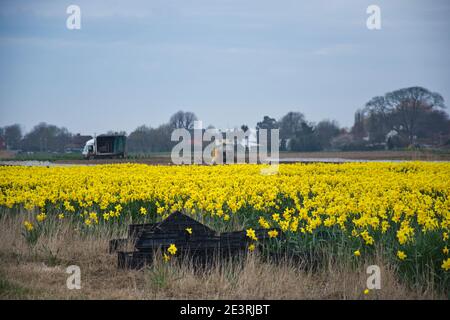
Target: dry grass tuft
(38,272)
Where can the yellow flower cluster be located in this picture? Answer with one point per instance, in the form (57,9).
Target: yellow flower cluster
(401,255)
(251,234)
(273,233)
(41,217)
(446,264)
(370,202)
(172,249)
(28,226)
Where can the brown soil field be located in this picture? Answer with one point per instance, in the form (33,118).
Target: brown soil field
(422,155)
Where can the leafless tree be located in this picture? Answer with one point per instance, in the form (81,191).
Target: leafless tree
(408,105)
(402,110)
(13,135)
(183,119)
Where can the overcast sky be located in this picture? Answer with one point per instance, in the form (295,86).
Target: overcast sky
(229,61)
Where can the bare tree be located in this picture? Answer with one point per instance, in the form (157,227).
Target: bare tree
(408,105)
(146,139)
(325,131)
(13,135)
(268,123)
(359,129)
(291,126)
(46,137)
(405,110)
(378,117)
(183,119)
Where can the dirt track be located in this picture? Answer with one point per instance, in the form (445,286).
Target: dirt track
(307,157)
(285,157)
(424,155)
(151,160)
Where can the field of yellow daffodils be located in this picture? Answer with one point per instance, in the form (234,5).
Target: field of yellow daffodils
(403,207)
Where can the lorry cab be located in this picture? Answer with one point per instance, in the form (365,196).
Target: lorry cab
(88,151)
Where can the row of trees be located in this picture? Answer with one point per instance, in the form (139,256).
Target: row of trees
(50,138)
(297,134)
(400,118)
(405,117)
(12,136)
(146,139)
(43,137)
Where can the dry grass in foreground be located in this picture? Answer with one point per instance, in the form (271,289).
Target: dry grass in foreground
(39,273)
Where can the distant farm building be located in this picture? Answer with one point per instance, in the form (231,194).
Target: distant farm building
(77,143)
